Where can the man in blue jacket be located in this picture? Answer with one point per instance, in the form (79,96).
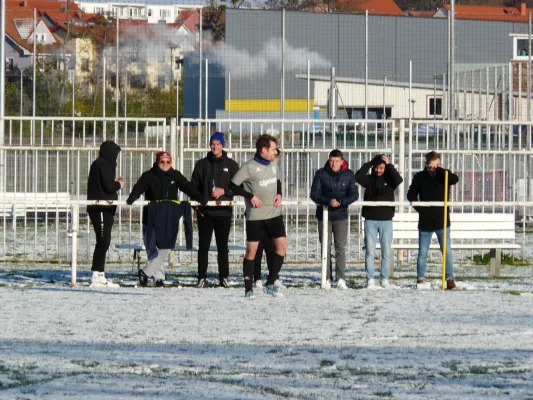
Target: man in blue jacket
(334,186)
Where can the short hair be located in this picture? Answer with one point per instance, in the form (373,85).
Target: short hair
(431,156)
(264,141)
(335,153)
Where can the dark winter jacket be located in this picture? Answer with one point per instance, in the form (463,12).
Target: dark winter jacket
(162,225)
(101,184)
(215,170)
(425,187)
(378,188)
(328,185)
(157,185)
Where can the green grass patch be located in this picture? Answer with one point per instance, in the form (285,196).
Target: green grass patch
(513,292)
(507,259)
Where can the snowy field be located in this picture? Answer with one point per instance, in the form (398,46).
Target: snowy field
(181,342)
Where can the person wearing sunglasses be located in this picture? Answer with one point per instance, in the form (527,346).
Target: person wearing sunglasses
(160,186)
(212,176)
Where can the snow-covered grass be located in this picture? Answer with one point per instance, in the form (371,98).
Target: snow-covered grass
(182,342)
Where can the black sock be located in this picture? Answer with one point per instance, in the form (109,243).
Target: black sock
(248,273)
(277,263)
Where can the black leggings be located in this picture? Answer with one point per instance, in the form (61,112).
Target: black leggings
(102,221)
(222,226)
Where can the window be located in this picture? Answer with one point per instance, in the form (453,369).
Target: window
(164,13)
(9,63)
(520,47)
(434,106)
(178,62)
(149,12)
(138,82)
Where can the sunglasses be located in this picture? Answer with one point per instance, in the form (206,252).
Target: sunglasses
(163,162)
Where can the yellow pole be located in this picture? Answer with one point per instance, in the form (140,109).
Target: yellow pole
(445,230)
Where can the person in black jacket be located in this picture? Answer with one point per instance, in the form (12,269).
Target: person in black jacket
(103,185)
(212,176)
(428,185)
(160,186)
(334,186)
(379,186)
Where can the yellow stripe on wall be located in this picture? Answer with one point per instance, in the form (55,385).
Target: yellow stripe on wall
(268,105)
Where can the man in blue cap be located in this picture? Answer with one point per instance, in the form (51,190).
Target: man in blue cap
(212,176)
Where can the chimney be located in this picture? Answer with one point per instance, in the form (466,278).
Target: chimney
(523,8)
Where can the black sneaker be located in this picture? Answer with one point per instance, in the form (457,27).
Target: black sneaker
(159,283)
(202,283)
(143,278)
(224,283)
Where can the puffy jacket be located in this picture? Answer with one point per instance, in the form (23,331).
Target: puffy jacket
(328,185)
(101,184)
(426,187)
(162,226)
(378,188)
(220,170)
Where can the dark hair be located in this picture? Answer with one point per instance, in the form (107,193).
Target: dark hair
(264,141)
(335,153)
(432,155)
(279,151)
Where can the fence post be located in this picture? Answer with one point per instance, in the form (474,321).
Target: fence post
(74,244)
(325,247)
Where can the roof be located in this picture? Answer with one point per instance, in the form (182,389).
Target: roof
(381,7)
(495,13)
(42,5)
(177,3)
(190,19)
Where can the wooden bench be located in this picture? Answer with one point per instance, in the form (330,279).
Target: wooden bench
(138,248)
(36,203)
(469,231)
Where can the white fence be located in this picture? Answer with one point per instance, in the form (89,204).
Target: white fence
(51,156)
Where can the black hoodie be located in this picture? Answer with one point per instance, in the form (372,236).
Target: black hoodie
(101,184)
(220,170)
(378,188)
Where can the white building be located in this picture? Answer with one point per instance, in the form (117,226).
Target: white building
(153,11)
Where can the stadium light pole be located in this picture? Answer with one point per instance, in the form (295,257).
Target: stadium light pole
(2,89)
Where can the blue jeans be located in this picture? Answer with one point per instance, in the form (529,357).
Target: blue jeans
(372,229)
(424,240)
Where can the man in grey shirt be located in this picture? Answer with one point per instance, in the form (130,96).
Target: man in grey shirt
(259,180)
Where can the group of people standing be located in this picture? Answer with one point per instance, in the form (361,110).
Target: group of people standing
(218,177)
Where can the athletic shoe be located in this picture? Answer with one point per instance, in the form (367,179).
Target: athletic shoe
(224,283)
(273,291)
(278,284)
(159,283)
(258,284)
(341,284)
(202,283)
(370,284)
(450,284)
(421,284)
(385,283)
(143,278)
(99,280)
(328,284)
(249,295)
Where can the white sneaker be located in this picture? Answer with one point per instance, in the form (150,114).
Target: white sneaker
(258,284)
(423,285)
(341,284)
(328,284)
(385,283)
(370,284)
(278,284)
(98,280)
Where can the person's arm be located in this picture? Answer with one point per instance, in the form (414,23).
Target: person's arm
(316,191)
(237,180)
(452,178)
(138,189)
(109,184)
(362,177)
(233,168)
(414,191)
(352,193)
(395,177)
(239,191)
(279,188)
(188,188)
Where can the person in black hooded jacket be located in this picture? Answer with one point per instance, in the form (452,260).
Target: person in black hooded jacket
(334,186)
(212,176)
(103,185)
(379,186)
(160,186)
(429,185)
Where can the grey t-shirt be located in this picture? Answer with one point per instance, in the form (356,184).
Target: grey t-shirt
(261,180)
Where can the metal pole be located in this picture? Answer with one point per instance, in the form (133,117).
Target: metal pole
(229,94)
(74,244)
(410,91)
(103,88)
(510,88)
(34,62)
(308,89)
(21,91)
(282,100)
(325,247)
(117,80)
(73,92)
(177,100)
(366,64)
(529,82)
(451,59)
(2,88)
(206,86)
(126,94)
(384,116)
(200,64)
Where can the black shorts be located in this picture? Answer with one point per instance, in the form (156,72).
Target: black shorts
(273,227)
